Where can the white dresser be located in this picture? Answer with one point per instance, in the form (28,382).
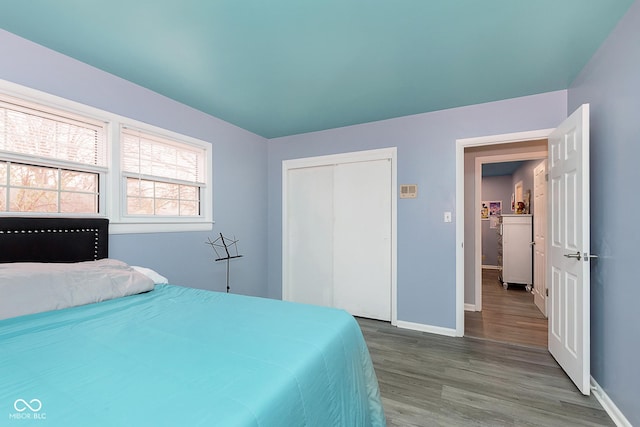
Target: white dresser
(515,256)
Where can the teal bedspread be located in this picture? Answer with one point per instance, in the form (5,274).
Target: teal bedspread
(186,357)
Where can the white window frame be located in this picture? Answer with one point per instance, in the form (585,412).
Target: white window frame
(138,223)
(102,173)
(112,186)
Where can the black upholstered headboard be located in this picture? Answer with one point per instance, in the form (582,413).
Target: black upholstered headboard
(28,239)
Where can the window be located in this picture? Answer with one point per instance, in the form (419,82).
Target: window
(31,188)
(58,157)
(163,177)
(52,159)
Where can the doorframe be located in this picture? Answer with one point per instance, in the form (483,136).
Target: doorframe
(461,144)
(479,161)
(536,207)
(389,153)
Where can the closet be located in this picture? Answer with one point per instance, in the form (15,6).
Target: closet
(337,233)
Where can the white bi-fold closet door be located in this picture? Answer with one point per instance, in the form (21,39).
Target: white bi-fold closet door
(338,227)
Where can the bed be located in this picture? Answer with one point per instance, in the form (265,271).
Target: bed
(167,355)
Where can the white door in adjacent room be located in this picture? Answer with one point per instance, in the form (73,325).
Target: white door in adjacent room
(539,232)
(569,246)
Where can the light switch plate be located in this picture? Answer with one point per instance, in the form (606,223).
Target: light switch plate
(447,217)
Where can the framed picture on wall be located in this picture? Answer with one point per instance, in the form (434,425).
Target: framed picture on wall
(490,208)
(495,208)
(484,211)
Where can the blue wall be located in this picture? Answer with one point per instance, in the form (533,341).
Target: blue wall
(239,162)
(494,188)
(426,156)
(610,83)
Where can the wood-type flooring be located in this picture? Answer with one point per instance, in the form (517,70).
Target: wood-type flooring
(433,380)
(507,315)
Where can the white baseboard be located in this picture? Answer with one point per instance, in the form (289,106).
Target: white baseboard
(470,307)
(616,415)
(491,267)
(427,328)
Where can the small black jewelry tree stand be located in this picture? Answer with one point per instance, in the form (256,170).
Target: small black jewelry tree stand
(224,244)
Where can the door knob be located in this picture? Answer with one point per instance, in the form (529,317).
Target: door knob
(576,256)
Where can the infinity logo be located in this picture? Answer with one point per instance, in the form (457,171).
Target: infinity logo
(21,405)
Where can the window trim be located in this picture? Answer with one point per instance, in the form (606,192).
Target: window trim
(112,187)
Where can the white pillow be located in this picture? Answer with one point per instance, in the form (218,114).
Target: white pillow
(151,274)
(27,288)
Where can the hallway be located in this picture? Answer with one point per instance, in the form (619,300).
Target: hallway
(507,315)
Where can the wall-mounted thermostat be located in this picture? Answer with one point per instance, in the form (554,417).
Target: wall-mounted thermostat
(408,191)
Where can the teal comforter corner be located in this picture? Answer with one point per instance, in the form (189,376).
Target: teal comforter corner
(186,357)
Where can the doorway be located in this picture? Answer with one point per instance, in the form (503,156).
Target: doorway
(468,265)
(568,245)
(504,308)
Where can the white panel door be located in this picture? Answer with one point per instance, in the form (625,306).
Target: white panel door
(569,244)
(362,238)
(309,246)
(539,232)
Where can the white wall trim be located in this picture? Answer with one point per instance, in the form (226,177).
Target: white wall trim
(158,227)
(438,330)
(332,159)
(505,138)
(470,307)
(461,144)
(616,414)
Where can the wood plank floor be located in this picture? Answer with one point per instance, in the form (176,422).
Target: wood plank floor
(508,315)
(432,380)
